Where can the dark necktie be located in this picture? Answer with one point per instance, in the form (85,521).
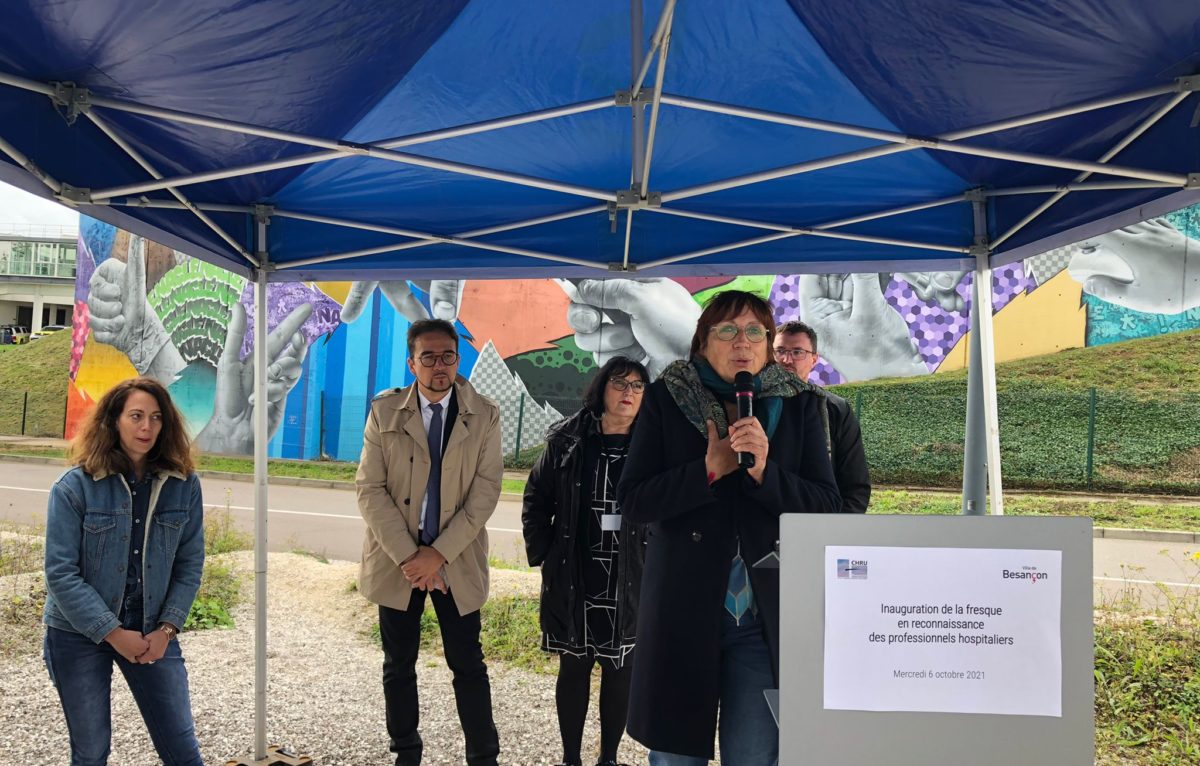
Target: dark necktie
(433,489)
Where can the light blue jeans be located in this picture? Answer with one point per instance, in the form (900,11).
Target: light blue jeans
(746,731)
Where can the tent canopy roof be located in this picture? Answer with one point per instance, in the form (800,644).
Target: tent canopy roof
(769,90)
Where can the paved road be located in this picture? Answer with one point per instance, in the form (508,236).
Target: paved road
(326,521)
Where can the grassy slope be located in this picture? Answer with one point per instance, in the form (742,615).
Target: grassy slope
(41,368)
(1147,419)
(1147,430)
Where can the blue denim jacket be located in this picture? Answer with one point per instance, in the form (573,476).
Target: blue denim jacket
(87,551)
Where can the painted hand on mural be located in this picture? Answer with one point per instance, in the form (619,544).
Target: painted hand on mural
(121,317)
(860,334)
(445,295)
(652,320)
(231,429)
(938,286)
(1144,267)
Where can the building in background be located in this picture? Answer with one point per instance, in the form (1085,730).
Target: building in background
(37,274)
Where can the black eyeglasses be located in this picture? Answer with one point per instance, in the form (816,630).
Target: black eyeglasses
(794,353)
(429,359)
(621,384)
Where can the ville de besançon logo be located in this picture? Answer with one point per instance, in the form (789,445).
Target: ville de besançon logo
(1028,574)
(851,569)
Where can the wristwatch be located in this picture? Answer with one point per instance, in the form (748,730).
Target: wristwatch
(169,629)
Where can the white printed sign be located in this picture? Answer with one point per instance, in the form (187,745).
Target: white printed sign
(945,630)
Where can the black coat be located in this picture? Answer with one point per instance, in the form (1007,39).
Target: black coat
(849,457)
(550,520)
(693,533)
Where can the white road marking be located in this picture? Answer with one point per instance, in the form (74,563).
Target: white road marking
(25,489)
(1149,582)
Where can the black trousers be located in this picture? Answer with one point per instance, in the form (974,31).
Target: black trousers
(400,633)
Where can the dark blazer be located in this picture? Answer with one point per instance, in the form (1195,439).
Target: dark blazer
(849,457)
(693,533)
(550,521)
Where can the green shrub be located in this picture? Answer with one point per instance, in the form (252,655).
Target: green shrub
(221,535)
(525,458)
(220,591)
(509,633)
(1147,674)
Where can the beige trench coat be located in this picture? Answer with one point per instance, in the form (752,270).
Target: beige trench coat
(391,482)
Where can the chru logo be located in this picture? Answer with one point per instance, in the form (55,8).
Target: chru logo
(1025,573)
(851,569)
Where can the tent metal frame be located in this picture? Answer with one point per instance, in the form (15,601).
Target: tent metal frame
(982,459)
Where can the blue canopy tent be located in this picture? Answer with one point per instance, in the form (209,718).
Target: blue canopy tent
(524,138)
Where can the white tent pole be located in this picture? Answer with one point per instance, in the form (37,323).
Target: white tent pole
(628,237)
(803,230)
(424,240)
(1134,135)
(790,170)
(357,149)
(974,486)
(391,143)
(975,455)
(719,249)
(364,150)
(638,112)
(260,491)
(637,58)
(659,31)
(828,126)
(982,304)
(332,257)
(891,212)
(656,102)
(166,204)
(30,166)
(137,157)
(434,239)
(935,144)
(1077,186)
(908,143)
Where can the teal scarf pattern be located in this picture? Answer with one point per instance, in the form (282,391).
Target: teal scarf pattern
(698,391)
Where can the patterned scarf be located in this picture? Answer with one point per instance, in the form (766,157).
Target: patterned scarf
(698,391)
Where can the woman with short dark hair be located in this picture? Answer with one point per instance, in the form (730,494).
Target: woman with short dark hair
(124,554)
(591,558)
(709,647)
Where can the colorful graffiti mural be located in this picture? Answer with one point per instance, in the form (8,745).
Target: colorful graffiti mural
(141,308)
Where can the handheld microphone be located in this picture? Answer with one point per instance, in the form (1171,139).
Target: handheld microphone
(743,389)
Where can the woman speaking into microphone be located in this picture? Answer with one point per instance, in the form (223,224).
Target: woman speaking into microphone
(708,632)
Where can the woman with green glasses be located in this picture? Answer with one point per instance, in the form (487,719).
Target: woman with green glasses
(591,558)
(708,639)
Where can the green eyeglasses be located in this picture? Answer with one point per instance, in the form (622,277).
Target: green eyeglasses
(755,333)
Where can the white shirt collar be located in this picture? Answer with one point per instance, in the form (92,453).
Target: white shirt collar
(445,400)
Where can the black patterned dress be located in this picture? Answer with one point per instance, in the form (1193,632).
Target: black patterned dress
(602,639)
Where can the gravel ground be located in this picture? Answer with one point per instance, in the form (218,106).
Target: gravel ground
(325,695)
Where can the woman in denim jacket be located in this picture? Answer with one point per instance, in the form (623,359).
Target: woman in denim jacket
(124,553)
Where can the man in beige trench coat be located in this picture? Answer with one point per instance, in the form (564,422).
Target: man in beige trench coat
(428,481)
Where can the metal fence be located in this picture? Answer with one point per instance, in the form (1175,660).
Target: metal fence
(25,413)
(1079,439)
(524,421)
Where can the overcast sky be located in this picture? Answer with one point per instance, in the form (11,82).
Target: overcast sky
(20,208)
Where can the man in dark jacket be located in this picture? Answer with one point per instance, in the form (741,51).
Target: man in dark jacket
(796,350)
